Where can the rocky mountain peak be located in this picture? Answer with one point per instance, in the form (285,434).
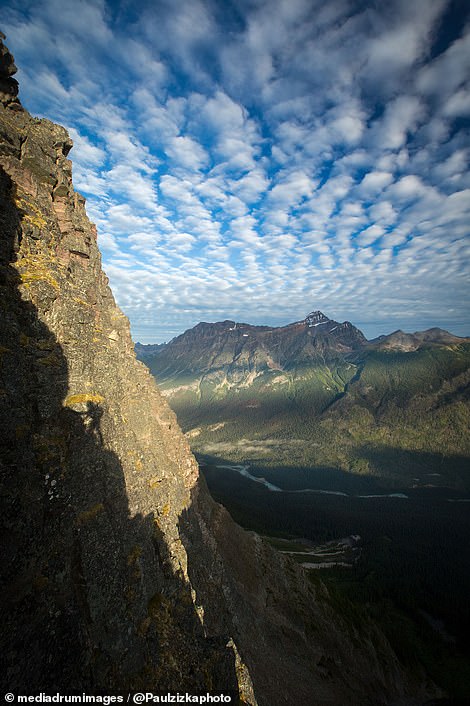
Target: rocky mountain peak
(316,318)
(8,85)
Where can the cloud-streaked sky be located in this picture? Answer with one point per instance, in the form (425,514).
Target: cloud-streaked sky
(258,159)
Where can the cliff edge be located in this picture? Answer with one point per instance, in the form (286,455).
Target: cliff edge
(119,571)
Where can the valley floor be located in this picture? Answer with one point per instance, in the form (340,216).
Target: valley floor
(402,557)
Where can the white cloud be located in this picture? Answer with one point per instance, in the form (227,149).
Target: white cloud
(374,182)
(401,117)
(250,187)
(123,219)
(408,187)
(185,152)
(85,152)
(458,104)
(370,235)
(133,185)
(449,71)
(291,189)
(402,36)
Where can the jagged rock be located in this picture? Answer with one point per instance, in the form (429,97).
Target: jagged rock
(8,85)
(119,571)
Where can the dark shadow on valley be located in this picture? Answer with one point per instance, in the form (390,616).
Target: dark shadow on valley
(344,503)
(421,468)
(89,599)
(416,545)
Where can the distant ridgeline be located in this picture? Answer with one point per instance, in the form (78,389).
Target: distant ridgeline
(146,351)
(316,393)
(119,571)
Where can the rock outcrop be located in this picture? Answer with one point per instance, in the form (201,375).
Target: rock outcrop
(8,84)
(119,571)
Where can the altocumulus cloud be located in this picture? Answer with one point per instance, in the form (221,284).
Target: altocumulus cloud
(258,160)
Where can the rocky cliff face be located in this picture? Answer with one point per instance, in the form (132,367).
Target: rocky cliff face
(119,571)
(95,471)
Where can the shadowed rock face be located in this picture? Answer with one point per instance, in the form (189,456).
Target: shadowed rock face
(119,571)
(95,472)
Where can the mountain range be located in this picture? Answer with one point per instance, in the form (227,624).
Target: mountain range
(317,393)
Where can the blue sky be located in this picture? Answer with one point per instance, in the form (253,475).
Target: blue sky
(259,159)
